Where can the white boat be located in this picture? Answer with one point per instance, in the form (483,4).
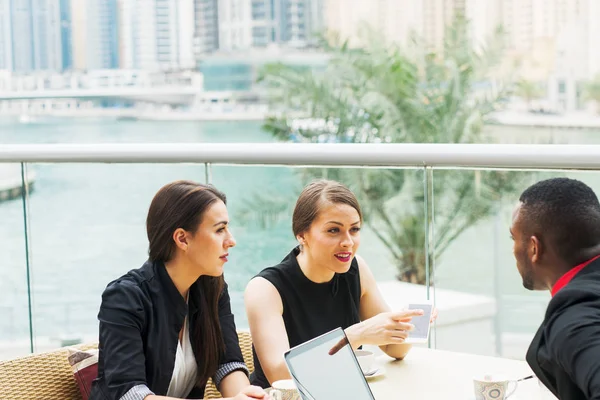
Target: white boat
(26,119)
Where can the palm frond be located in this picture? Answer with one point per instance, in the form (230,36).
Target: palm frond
(382,93)
(266,209)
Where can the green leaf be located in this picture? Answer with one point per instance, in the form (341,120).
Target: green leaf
(383,93)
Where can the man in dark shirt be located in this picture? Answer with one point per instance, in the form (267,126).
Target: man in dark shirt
(556,234)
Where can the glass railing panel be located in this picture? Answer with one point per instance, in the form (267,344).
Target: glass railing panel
(88,228)
(484,308)
(14,293)
(261,202)
(87,221)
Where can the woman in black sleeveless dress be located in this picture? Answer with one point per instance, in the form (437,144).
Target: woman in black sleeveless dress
(320,285)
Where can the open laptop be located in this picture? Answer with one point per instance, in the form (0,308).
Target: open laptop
(318,375)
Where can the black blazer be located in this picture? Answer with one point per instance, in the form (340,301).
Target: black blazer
(141,316)
(565,352)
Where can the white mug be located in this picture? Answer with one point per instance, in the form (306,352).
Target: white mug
(490,387)
(284,389)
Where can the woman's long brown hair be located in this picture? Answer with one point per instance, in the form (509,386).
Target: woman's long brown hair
(182,204)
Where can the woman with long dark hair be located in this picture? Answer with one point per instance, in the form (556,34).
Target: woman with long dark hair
(167,327)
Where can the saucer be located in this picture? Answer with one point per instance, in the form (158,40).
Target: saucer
(375,373)
(512,397)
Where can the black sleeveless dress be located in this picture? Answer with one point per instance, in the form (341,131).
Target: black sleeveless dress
(311,309)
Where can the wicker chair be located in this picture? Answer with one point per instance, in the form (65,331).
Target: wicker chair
(211,391)
(49,375)
(40,376)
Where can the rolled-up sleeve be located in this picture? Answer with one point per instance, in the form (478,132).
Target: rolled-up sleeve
(138,392)
(122,356)
(231,360)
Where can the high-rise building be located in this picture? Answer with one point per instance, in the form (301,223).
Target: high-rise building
(6,53)
(46,30)
(206,29)
(166,30)
(300,21)
(485,17)
(174,33)
(436,16)
(21,21)
(294,21)
(357,21)
(79,34)
(185,30)
(95,34)
(315,18)
(34,35)
(66,34)
(264,19)
(257,23)
(236,28)
(157,34)
(401,19)
(592,13)
(102,42)
(137,35)
(125,12)
(527,21)
(554,35)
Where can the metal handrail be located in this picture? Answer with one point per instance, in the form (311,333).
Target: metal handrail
(511,156)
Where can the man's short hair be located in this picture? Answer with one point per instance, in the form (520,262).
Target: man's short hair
(564,213)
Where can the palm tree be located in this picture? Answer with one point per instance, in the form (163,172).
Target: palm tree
(528,91)
(379,94)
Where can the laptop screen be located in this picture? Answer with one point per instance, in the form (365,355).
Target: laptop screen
(321,376)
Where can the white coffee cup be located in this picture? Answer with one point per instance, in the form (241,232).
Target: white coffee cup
(284,389)
(493,387)
(366,359)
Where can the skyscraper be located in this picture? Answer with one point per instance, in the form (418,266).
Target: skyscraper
(186,27)
(66,37)
(79,34)
(6,57)
(174,33)
(206,29)
(102,42)
(353,20)
(300,20)
(258,23)
(46,32)
(593,33)
(95,34)
(35,35)
(157,34)
(21,28)
(235,22)
(316,17)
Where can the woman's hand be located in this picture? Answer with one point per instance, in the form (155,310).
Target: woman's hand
(252,392)
(382,329)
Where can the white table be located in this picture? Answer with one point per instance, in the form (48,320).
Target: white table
(436,374)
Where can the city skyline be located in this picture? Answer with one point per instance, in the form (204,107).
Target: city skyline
(547,37)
